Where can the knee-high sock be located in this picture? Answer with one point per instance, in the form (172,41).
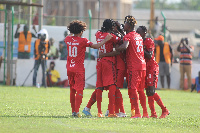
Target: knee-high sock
(72,98)
(151,104)
(111,96)
(134,101)
(92,99)
(119,102)
(159,101)
(142,99)
(79,96)
(129,94)
(99,99)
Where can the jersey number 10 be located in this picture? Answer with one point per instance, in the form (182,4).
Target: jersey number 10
(72,51)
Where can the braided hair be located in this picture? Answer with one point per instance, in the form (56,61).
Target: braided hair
(131,20)
(77,26)
(107,25)
(144,29)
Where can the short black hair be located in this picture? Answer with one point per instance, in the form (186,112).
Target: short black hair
(77,26)
(52,62)
(107,25)
(144,29)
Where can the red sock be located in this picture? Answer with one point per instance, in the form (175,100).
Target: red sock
(159,101)
(79,96)
(134,101)
(111,96)
(151,104)
(72,98)
(92,99)
(119,102)
(99,99)
(142,99)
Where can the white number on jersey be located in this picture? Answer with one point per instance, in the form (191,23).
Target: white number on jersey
(72,51)
(139,46)
(102,49)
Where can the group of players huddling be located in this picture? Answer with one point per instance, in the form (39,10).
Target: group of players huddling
(132,58)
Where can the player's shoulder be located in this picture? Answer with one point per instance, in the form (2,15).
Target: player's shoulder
(149,41)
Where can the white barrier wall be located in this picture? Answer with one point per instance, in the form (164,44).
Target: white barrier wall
(24,67)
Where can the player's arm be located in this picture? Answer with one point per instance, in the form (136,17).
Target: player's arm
(188,47)
(98,45)
(113,53)
(148,54)
(123,47)
(179,46)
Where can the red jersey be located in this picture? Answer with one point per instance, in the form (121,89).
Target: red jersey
(120,60)
(108,46)
(76,47)
(134,53)
(149,46)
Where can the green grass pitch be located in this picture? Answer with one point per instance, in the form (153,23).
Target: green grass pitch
(30,109)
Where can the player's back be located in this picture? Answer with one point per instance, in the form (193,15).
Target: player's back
(76,47)
(108,46)
(134,53)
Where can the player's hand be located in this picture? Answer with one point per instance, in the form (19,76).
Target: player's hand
(108,37)
(18,26)
(101,55)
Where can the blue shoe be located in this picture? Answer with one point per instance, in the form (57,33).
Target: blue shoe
(87,113)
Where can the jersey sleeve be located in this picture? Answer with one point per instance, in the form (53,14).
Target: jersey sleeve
(126,38)
(115,38)
(88,43)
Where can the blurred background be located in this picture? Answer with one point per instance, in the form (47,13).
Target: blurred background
(176,19)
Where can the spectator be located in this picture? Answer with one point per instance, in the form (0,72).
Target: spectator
(41,49)
(63,48)
(164,55)
(53,77)
(24,42)
(197,84)
(185,62)
(157,28)
(53,52)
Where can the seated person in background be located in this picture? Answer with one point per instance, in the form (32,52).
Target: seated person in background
(53,52)
(53,77)
(197,84)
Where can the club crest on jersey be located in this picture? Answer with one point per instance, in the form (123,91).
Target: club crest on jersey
(72,64)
